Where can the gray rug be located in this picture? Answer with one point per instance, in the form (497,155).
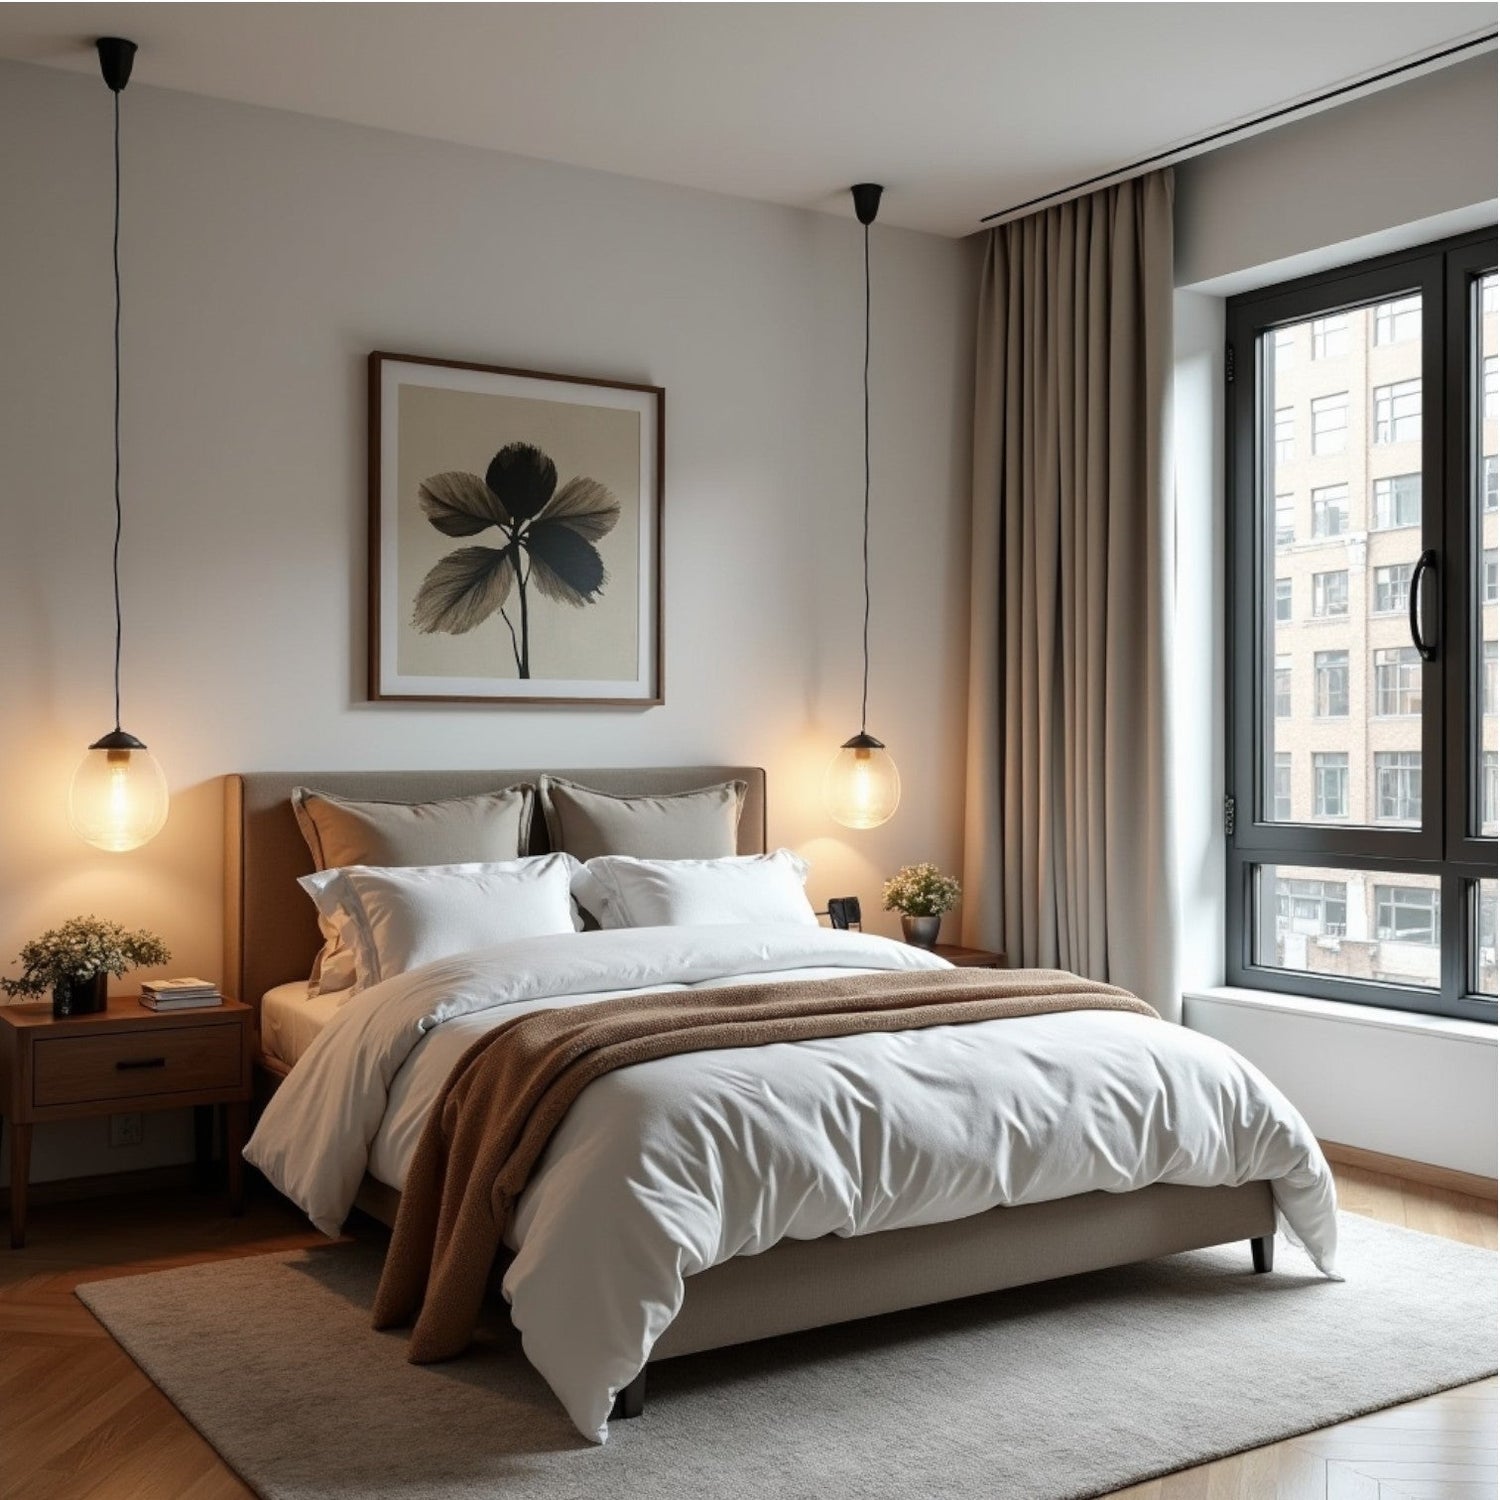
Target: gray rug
(1070,1389)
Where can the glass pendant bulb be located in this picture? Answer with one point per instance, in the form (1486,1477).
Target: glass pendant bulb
(862,787)
(118,798)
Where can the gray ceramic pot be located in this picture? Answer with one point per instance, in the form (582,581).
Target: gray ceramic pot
(921,932)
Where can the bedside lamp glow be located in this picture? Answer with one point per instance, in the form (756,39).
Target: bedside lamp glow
(863,786)
(118,799)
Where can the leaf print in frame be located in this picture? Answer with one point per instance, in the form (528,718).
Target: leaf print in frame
(515,535)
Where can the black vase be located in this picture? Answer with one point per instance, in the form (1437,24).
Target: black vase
(81,997)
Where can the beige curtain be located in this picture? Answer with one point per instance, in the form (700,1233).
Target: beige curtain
(1069,856)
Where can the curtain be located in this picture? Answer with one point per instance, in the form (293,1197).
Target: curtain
(1069,850)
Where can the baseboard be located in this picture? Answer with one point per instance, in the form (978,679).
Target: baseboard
(174,1176)
(1448,1178)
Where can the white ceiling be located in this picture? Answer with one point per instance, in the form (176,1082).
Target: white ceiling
(960,109)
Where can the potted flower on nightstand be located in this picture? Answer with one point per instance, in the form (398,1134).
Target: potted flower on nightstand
(923,895)
(75,961)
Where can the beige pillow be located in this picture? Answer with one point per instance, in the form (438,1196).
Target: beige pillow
(484,828)
(701,824)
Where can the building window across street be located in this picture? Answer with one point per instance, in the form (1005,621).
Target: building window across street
(1331,593)
(1392,586)
(1396,322)
(1330,423)
(1398,412)
(1398,502)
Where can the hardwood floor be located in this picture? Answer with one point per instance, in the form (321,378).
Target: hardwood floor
(78,1420)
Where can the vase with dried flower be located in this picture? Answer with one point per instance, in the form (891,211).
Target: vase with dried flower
(75,961)
(923,895)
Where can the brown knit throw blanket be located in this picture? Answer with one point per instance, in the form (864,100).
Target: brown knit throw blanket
(511,1089)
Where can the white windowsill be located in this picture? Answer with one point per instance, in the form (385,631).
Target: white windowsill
(1449,1027)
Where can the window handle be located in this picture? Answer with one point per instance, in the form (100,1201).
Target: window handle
(1414,604)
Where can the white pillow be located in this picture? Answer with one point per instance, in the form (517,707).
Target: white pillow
(625,892)
(399,918)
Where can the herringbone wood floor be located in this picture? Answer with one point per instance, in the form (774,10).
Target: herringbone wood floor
(78,1421)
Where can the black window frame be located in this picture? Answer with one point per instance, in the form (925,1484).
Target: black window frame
(1445,274)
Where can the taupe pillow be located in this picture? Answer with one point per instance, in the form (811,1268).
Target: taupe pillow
(701,824)
(484,828)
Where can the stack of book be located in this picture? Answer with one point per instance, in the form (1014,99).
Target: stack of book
(179,994)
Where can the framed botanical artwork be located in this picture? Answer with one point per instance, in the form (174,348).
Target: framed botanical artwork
(515,535)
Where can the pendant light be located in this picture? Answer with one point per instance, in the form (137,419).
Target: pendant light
(118,798)
(862,786)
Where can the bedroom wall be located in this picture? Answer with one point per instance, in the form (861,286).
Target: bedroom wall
(264,255)
(1281,204)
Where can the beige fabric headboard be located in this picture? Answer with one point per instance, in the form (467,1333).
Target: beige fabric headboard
(270,931)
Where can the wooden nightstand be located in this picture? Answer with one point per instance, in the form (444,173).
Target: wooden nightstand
(969,958)
(124,1060)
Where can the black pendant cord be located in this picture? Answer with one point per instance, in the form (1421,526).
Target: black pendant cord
(119,514)
(864,698)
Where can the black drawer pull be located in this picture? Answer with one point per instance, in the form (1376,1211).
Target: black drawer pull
(141,1062)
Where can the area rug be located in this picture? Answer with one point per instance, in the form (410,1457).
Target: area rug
(1073,1388)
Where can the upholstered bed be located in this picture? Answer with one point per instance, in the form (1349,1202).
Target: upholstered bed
(272,937)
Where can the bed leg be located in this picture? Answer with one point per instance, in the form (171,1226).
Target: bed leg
(1263,1252)
(631,1401)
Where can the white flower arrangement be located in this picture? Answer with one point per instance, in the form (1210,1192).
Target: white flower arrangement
(921,891)
(82,948)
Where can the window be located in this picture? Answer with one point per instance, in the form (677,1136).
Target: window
(1484,962)
(1330,510)
(1398,682)
(1331,684)
(1330,784)
(1330,337)
(1392,585)
(1286,521)
(1489,797)
(1331,594)
(1313,908)
(1397,322)
(1398,786)
(1398,412)
(1406,914)
(1330,423)
(1284,435)
(1282,793)
(1398,501)
(1351,874)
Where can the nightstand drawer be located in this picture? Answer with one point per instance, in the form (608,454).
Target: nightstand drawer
(123,1065)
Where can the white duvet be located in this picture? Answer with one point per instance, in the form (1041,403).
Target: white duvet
(664,1169)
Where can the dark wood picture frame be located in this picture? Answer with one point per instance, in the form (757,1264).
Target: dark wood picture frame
(652,507)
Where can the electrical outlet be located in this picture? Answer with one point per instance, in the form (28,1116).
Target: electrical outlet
(125,1130)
